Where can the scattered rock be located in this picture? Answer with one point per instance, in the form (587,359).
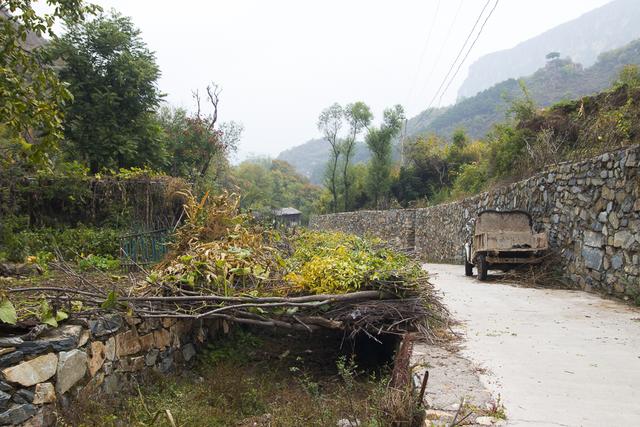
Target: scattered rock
(72,366)
(348,423)
(45,393)
(438,415)
(33,371)
(5,387)
(11,342)
(490,421)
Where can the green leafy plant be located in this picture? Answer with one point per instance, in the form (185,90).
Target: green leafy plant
(49,315)
(98,262)
(7,312)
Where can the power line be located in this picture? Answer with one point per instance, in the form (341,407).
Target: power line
(468,51)
(446,39)
(457,57)
(424,50)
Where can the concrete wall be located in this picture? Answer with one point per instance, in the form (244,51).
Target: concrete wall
(591,210)
(90,357)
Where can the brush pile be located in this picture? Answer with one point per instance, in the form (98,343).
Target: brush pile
(224,265)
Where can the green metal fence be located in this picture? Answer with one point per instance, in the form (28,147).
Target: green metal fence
(138,250)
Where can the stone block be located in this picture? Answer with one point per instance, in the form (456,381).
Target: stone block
(110,349)
(188,351)
(33,371)
(98,357)
(72,366)
(162,338)
(127,343)
(18,414)
(132,364)
(5,398)
(11,359)
(147,342)
(45,393)
(151,357)
(592,257)
(106,325)
(623,239)
(593,239)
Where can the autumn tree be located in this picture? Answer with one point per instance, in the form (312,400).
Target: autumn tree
(358,116)
(379,141)
(330,123)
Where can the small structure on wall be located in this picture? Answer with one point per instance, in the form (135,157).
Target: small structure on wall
(287,217)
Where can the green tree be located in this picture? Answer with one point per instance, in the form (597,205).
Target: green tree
(113,78)
(358,116)
(31,95)
(266,184)
(630,76)
(379,142)
(330,123)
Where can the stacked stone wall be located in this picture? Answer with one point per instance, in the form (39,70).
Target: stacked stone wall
(590,210)
(42,374)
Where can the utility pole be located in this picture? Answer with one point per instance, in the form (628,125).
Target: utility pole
(404,135)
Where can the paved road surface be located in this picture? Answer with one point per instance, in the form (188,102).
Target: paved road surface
(556,357)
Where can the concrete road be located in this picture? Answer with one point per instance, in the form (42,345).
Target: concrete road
(556,357)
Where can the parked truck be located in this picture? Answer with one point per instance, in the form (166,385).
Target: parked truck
(503,240)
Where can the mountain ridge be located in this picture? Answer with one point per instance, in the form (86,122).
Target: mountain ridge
(582,39)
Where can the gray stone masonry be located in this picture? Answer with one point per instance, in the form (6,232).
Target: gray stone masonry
(590,209)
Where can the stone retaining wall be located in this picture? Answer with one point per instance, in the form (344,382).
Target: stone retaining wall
(90,358)
(591,210)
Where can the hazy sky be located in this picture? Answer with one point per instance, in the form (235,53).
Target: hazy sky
(281,62)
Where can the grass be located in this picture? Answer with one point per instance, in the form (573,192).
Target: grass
(244,380)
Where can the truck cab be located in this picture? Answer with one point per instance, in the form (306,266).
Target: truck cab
(503,240)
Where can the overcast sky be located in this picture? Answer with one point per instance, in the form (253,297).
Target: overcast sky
(281,62)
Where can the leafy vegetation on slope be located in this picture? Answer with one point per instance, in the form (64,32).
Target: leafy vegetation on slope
(559,80)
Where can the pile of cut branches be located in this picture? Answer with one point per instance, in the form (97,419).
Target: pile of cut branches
(224,265)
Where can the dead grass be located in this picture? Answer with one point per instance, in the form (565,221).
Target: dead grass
(269,381)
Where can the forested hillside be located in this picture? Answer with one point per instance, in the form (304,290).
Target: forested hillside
(582,39)
(558,80)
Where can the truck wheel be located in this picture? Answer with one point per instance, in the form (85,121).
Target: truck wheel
(482,267)
(468,268)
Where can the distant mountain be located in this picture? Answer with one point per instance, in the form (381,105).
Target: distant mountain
(558,80)
(581,39)
(310,158)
